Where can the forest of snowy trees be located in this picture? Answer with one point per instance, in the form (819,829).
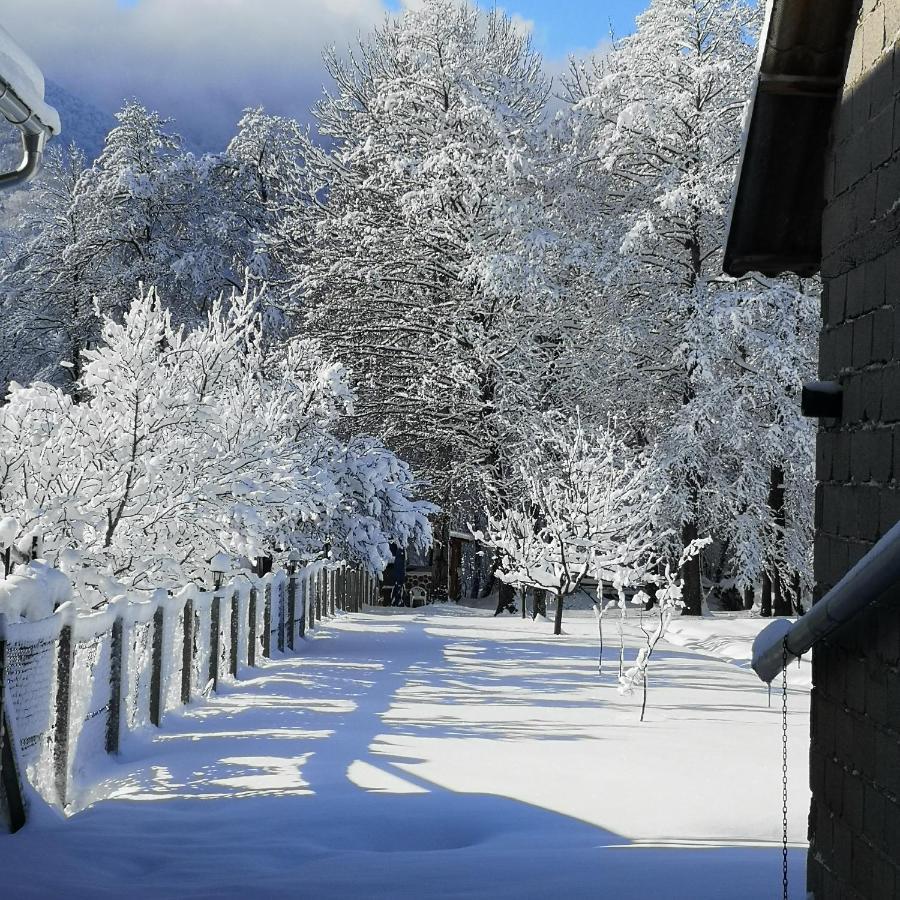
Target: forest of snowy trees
(508,285)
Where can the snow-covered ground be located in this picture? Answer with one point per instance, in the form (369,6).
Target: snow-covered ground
(445,753)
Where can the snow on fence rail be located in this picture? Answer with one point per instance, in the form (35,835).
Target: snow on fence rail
(72,684)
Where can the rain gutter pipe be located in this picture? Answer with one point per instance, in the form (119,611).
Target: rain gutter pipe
(875,574)
(34,137)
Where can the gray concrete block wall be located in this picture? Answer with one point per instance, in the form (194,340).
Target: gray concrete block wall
(854,822)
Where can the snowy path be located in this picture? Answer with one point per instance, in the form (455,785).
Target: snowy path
(442,753)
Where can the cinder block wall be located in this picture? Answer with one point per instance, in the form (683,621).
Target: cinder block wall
(854,821)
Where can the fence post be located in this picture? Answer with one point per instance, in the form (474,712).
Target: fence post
(267,621)
(304,600)
(115,687)
(9,777)
(281,617)
(235,633)
(157,702)
(292,606)
(187,651)
(332,580)
(251,629)
(64,660)
(215,612)
(319,595)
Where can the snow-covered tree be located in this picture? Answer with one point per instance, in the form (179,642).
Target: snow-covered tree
(47,308)
(654,137)
(587,510)
(405,238)
(190,442)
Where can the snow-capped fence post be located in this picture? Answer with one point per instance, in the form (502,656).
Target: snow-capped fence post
(215,611)
(251,628)
(187,650)
(319,595)
(292,605)
(281,618)
(301,582)
(235,633)
(267,621)
(65,660)
(329,593)
(157,699)
(10,786)
(113,718)
(219,564)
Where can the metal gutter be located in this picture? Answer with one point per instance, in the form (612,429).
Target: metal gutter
(34,137)
(22,104)
(873,576)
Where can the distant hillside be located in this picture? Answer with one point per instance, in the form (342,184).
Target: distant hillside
(82,122)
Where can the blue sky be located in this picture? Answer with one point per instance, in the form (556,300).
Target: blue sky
(202,62)
(568,26)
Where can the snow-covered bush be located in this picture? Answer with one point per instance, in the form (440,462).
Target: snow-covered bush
(587,509)
(192,442)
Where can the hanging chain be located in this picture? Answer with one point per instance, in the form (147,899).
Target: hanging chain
(784,770)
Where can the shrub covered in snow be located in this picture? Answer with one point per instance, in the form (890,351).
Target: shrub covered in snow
(183,443)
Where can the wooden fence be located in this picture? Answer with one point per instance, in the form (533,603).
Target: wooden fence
(72,685)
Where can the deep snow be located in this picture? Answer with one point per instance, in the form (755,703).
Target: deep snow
(446,753)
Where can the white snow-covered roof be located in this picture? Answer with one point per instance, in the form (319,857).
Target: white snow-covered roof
(19,74)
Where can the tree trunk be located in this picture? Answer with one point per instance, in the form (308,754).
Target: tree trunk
(781,605)
(749,597)
(691,590)
(539,607)
(440,559)
(795,585)
(506,598)
(454,567)
(765,600)
(557,619)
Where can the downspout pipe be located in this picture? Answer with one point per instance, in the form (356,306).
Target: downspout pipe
(32,155)
(875,574)
(34,136)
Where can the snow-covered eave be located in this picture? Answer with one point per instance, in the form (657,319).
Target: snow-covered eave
(22,104)
(22,87)
(867,582)
(778,198)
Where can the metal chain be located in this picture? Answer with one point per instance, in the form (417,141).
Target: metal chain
(784,770)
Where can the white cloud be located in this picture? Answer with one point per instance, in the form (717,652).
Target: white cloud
(199,61)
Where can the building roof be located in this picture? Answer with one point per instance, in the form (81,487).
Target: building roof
(779,195)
